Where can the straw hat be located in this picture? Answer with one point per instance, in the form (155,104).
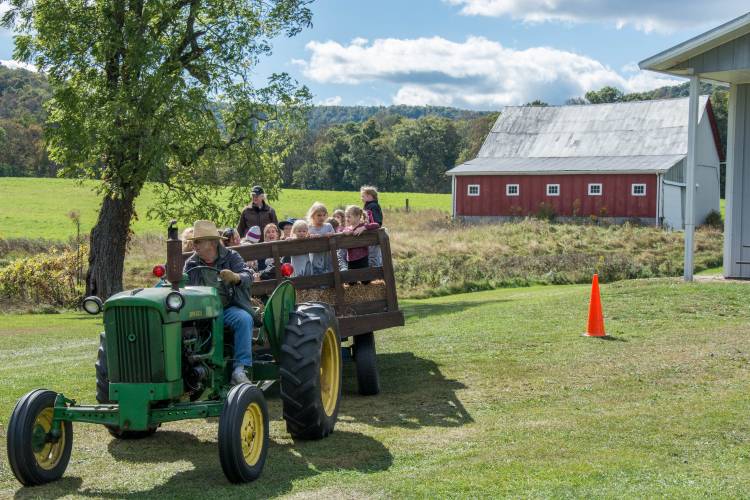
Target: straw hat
(204,230)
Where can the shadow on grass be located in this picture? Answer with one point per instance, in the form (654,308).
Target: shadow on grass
(610,338)
(416,311)
(285,464)
(414,394)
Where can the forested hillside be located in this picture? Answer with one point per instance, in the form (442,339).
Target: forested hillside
(397,148)
(22,151)
(325,116)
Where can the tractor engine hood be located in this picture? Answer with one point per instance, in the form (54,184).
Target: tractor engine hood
(199,302)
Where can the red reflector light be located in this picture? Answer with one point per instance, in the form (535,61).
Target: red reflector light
(159,270)
(286,269)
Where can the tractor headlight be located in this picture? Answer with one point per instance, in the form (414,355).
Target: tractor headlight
(92,305)
(175,301)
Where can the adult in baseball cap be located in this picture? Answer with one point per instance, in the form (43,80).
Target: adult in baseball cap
(257,213)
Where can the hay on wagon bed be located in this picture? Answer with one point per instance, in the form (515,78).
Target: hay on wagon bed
(353,294)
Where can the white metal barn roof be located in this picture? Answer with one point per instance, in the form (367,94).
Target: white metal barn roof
(642,136)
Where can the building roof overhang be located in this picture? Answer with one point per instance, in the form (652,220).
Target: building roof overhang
(566,166)
(670,61)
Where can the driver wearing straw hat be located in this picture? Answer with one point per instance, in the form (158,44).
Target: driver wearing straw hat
(234,289)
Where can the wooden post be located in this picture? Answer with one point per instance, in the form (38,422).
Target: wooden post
(407,205)
(276,261)
(338,286)
(390,280)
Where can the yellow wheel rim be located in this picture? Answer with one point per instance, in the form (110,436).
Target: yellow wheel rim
(252,434)
(330,368)
(48,455)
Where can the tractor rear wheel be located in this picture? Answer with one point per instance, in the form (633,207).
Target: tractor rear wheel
(102,393)
(368,380)
(310,371)
(36,457)
(243,434)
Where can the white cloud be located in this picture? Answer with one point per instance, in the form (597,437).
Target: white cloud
(18,65)
(331,101)
(644,15)
(477,73)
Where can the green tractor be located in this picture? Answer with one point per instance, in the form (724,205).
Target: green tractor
(165,355)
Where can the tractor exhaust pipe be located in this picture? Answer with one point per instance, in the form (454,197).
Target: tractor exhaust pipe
(174,256)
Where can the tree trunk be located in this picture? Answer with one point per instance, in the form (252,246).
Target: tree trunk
(109,240)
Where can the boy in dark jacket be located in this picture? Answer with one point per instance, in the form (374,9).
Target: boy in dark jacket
(374,214)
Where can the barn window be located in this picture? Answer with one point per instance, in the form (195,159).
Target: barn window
(473,190)
(595,189)
(553,189)
(512,189)
(638,190)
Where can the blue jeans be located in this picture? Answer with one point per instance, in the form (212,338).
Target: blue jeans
(241,324)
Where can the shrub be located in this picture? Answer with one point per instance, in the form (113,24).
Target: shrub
(546,211)
(48,278)
(713,219)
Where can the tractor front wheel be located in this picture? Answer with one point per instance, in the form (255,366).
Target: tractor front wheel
(102,393)
(243,434)
(365,362)
(310,371)
(35,455)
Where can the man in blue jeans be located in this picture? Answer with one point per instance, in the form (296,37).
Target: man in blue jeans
(233,284)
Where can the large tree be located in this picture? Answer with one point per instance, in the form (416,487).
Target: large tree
(161,90)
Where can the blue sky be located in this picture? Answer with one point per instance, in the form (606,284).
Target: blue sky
(481,54)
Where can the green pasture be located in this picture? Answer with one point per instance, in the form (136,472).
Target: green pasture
(484,395)
(38,208)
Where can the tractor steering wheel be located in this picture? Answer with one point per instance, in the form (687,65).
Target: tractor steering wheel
(206,267)
(229,289)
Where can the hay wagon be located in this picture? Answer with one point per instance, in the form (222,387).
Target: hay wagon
(360,309)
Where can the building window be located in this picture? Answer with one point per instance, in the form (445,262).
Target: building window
(473,190)
(511,190)
(595,189)
(638,190)
(553,189)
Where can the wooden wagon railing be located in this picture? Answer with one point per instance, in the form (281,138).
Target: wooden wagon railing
(355,318)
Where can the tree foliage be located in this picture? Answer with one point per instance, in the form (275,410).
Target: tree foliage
(395,154)
(161,90)
(22,97)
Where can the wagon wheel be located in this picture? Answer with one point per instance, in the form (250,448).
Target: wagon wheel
(310,371)
(243,434)
(365,360)
(35,455)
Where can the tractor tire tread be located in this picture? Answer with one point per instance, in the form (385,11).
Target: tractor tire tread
(299,372)
(20,454)
(231,457)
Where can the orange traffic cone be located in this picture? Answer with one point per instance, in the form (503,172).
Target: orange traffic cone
(596,320)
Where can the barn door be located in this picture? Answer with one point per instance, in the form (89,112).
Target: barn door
(674,203)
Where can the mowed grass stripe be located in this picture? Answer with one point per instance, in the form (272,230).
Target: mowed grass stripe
(38,208)
(486,394)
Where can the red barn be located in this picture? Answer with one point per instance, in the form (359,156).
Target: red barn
(618,161)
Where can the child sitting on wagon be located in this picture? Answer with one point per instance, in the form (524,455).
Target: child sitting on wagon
(316,219)
(374,214)
(301,263)
(357,258)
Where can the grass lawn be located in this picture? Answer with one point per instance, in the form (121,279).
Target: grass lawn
(484,395)
(38,208)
